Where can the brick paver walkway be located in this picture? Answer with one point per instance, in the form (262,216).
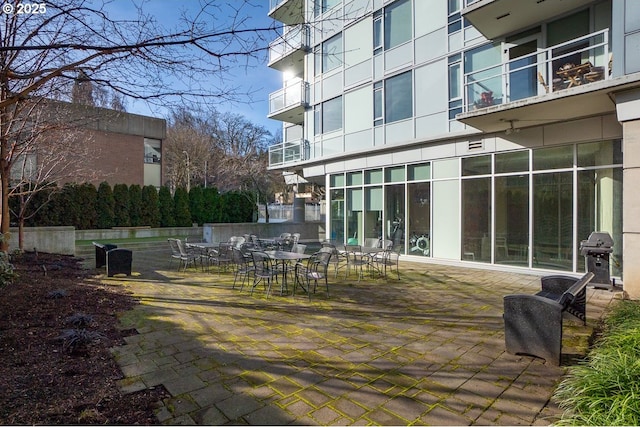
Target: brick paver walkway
(428,349)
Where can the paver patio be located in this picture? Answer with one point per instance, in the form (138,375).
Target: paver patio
(427,349)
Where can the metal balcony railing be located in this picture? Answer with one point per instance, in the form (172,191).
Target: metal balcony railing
(286,152)
(289,97)
(297,38)
(580,61)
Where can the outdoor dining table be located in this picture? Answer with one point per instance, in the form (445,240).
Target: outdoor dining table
(284,257)
(203,245)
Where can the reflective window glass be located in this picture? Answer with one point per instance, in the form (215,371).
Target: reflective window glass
(553,158)
(515,161)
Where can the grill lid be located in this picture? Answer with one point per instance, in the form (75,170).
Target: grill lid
(600,241)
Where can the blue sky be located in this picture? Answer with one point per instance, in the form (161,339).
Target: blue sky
(260,80)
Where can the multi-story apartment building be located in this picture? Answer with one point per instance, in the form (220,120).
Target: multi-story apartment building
(492,132)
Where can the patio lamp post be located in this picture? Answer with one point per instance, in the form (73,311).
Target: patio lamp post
(188,172)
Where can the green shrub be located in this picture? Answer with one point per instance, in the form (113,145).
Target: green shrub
(182,215)
(605,388)
(135,205)
(85,198)
(105,205)
(7,272)
(211,205)
(121,207)
(196,205)
(165,202)
(149,209)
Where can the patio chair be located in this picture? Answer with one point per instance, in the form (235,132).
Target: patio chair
(387,259)
(356,259)
(287,244)
(338,259)
(221,257)
(255,242)
(295,237)
(186,257)
(264,270)
(244,266)
(236,241)
(298,248)
(315,268)
(372,242)
(175,250)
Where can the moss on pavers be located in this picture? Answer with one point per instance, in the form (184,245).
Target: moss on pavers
(238,405)
(180,405)
(442,416)
(256,378)
(370,343)
(183,384)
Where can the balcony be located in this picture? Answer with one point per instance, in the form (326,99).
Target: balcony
(289,103)
(286,153)
(287,52)
(290,12)
(497,96)
(495,18)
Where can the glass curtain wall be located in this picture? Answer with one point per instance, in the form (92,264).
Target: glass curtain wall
(553,208)
(600,197)
(476,219)
(373,215)
(419,219)
(528,208)
(354,216)
(394,214)
(476,209)
(337,215)
(512,220)
(511,208)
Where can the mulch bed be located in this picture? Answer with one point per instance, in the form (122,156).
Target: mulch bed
(47,379)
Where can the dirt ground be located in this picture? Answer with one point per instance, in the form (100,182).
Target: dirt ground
(56,327)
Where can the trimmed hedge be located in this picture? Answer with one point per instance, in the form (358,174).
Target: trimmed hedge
(85,207)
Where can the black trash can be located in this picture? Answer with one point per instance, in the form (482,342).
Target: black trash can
(596,250)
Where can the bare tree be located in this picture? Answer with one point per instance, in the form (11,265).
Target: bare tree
(50,146)
(187,149)
(42,53)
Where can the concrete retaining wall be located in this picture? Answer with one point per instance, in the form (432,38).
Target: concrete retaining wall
(56,240)
(139,232)
(309,231)
(62,240)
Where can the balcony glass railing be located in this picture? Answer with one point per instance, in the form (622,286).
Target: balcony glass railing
(286,152)
(577,62)
(295,39)
(289,97)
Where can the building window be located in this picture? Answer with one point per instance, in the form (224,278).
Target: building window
(393,26)
(321,6)
(392,99)
(328,55)
(455,83)
(328,116)
(152,150)
(482,76)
